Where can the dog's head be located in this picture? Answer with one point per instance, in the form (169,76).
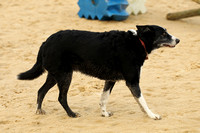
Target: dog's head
(156,36)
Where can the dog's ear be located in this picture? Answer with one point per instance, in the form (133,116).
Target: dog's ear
(143,29)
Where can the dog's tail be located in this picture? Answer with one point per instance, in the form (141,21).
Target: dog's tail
(35,71)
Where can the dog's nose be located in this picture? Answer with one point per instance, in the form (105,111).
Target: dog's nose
(177,41)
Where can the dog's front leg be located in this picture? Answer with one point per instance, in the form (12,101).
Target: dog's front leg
(135,90)
(104,98)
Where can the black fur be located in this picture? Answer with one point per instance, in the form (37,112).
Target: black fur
(35,71)
(111,56)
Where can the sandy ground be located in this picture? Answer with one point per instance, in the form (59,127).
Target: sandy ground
(170,79)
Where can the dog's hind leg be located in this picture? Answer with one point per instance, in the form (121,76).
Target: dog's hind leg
(104,97)
(50,82)
(63,80)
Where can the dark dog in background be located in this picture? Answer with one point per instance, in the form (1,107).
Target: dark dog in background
(110,56)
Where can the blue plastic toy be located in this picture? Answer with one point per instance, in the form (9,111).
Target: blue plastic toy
(103,9)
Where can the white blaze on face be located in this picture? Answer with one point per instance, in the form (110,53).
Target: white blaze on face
(171,43)
(173,40)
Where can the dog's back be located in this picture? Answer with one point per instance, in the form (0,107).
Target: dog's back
(93,53)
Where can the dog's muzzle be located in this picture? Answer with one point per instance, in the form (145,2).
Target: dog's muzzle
(177,40)
(172,44)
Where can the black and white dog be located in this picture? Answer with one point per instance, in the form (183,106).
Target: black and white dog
(111,56)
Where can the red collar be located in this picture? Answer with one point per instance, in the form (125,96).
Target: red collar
(144,48)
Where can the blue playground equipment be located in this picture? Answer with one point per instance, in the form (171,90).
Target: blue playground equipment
(103,9)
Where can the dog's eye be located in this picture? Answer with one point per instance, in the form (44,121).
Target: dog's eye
(164,34)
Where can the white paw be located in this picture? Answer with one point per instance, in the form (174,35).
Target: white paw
(107,114)
(155,116)
(40,112)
